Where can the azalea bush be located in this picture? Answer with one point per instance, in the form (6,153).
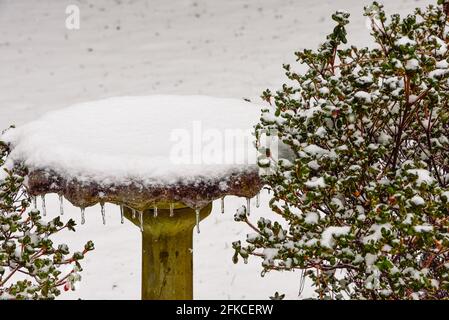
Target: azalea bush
(31,265)
(363,198)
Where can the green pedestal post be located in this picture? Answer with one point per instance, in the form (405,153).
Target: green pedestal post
(167,259)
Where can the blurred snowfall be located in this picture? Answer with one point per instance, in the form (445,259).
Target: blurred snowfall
(232,48)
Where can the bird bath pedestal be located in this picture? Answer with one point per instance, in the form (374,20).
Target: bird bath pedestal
(167,259)
(122,151)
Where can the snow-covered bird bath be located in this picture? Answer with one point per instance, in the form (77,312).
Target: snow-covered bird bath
(163,159)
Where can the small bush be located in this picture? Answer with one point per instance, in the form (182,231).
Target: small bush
(30,263)
(366,194)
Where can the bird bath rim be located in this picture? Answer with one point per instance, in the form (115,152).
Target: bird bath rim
(140,197)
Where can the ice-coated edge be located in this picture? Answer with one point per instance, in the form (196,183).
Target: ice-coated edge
(139,196)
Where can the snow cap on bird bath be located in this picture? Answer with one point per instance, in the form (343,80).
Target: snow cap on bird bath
(170,152)
(139,151)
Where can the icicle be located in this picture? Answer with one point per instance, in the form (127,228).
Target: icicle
(172,207)
(34,202)
(248,206)
(83,218)
(103,213)
(222,205)
(197,216)
(141,220)
(44,207)
(134,213)
(122,215)
(302,282)
(61,205)
(258,200)
(155,211)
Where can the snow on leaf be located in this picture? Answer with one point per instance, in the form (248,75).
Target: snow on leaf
(316,183)
(405,41)
(327,237)
(417,201)
(363,95)
(424,176)
(423,228)
(376,232)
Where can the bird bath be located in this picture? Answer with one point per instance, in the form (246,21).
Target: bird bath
(162,159)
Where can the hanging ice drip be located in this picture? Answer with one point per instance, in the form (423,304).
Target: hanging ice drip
(222,205)
(122,215)
(61,205)
(134,213)
(103,213)
(141,220)
(197,218)
(258,200)
(172,207)
(34,202)
(83,216)
(44,207)
(248,206)
(155,211)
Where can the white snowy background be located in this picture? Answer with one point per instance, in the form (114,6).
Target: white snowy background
(232,48)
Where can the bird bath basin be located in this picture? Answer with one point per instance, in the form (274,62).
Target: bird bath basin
(162,159)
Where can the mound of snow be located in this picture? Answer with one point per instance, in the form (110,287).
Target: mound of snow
(156,138)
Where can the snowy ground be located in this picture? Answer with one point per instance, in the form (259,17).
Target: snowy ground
(231,48)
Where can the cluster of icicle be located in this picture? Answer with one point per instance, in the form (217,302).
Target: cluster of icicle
(135,212)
